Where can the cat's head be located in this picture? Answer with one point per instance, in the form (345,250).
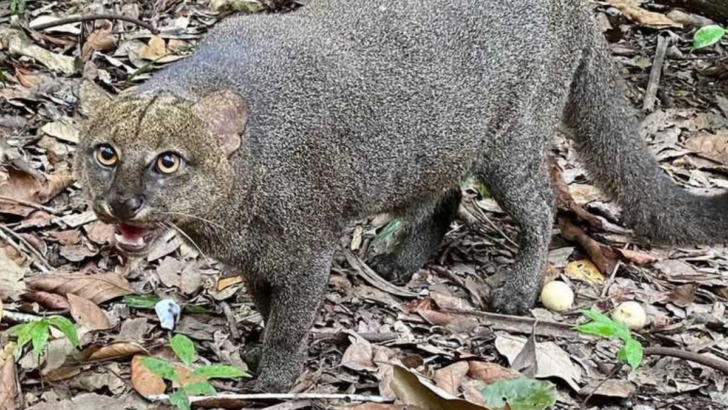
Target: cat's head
(152,161)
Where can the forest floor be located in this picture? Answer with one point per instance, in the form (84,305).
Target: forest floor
(370,336)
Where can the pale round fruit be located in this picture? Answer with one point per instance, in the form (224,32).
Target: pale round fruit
(557,296)
(632,314)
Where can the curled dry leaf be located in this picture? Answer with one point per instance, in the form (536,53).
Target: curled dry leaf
(154,50)
(8,384)
(98,288)
(49,300)
(412,390)
(584,270)
(604,257)
(144,381)
(636,257)
(711,146)
(87,313)
(449,378)
(11,278)
(24,187)
(99,232)
(684,295)
(564,200)
(113,351)
(489,373)
(18,44)
(358,356)
(99,40)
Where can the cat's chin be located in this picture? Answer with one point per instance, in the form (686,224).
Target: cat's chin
(136,240)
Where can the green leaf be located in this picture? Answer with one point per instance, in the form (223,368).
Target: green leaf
(22,332)
(160,367)
(520,394)
(66,327)
(39,336)
(200,389)
(631,353)
(219,371)
(183,348)
(385,235)
(180,400)
(602,325)
(707,36)
(141,302)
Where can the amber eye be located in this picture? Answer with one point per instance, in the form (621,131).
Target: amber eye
(168,163)
(106,156)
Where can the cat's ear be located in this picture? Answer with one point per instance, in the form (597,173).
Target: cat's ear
(225,114)
(92,97)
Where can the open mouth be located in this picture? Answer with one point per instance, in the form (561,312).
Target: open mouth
(135,239)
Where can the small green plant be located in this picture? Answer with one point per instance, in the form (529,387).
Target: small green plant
(602,325)
(707,36)
(17,7)
(36,333)
(184,348)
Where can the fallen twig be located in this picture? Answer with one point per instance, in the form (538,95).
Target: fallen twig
(17,317)
(651,92)
(90,17)
(29,204)
(712,362)
(39,260)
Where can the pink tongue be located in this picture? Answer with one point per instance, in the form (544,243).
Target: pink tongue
(131,233)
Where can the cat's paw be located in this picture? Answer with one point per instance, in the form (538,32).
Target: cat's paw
(514,299)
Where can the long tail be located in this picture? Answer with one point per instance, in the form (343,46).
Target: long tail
(604,128)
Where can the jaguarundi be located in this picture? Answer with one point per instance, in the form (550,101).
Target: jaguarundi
(281,129)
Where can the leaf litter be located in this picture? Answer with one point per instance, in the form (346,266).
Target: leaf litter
(437,351)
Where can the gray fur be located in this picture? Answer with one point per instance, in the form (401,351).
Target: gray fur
(362,107)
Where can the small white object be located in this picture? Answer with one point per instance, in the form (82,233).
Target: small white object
(557,296)
(168,312)
(632,314)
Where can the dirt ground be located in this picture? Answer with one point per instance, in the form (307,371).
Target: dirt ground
(371,336)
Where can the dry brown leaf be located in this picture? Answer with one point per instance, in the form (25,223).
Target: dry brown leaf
(449,378)
(99,40)
(711,146)
(8,384)
(604,257)
(87,313)
(564,201)
(224,283)
(489,373)
(412,390)
(11,278)
(37,219)
(113,351)
(64,129)
(684,295)
(358,356)
(644,17)
(154,50)
(98,288)
(47,299)
(69,237)
(99,232)
(144,381)
(22,186)
(636,257)
(584,270)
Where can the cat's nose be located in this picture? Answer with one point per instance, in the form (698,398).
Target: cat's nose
(126,207)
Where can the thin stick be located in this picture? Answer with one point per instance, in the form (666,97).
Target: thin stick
(29,204)
(230,317)
(90,17)
(280,396)
(651,93)
(612,276)
(38,257)
(18,317)
(717,364)
(494,226)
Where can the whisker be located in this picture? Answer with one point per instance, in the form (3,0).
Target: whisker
(195,217)
(183,233)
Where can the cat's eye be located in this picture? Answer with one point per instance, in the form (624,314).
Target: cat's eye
(168,163)
(106,155)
